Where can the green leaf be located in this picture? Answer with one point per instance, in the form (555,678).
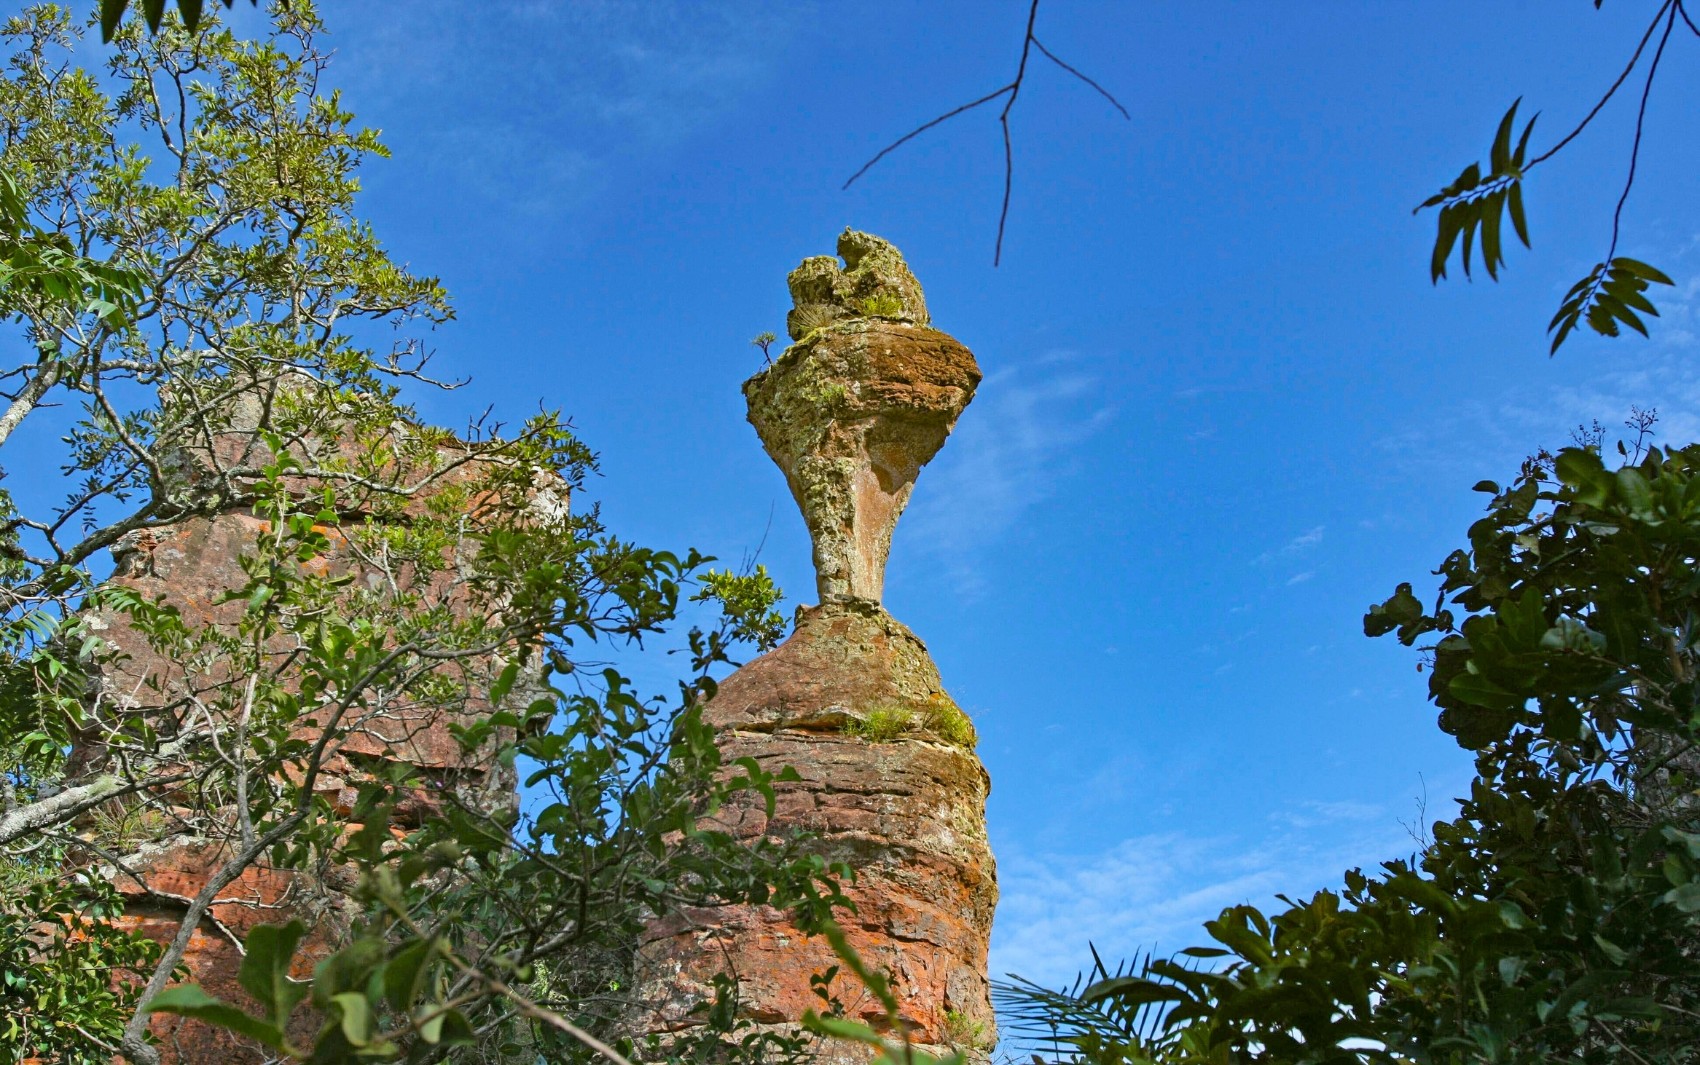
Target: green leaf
(1400,610)
(1450,224)
(1641,270)
(1523,144)
(1685,897)
(504,683)
(1471,221)
(1134,990)
(447,1027)
(1633,488)
(264,972)
(1477,690)
(1499,156)
(355,1017)
(1492,206)
(404,974)
(111,14)
(1582,470)
(188,1000)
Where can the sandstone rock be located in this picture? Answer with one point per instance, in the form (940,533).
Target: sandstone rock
(888,779)
(850,415)
(875,281)
(192,566)
(906,812)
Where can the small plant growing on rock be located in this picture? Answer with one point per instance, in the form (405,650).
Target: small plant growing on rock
(765,341)
(963,1033)
(832,392)
(883,724)
(941,719)
(884,305)
(946,720)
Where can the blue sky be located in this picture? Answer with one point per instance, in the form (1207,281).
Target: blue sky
(1224,410)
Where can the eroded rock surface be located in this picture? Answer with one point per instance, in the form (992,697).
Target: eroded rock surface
(192,566)
(855,408)
(890,784)
(873,282)
(852,701)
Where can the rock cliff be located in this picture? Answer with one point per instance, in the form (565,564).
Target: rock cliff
(192,567)
(852,701)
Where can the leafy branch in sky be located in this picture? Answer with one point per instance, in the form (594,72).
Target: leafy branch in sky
(1475,204)
(112,13)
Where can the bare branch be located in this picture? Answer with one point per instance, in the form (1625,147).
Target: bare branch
(1640,121)
(1013,91)
(1105,93)
(917,131)
(1621,78)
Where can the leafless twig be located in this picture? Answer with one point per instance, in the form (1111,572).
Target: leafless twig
(1011,91)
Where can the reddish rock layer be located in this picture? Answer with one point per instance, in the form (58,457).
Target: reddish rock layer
(192,566)
(889,782)
(906,810)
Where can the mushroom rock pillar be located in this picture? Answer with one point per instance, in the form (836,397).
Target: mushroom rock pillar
(890,783)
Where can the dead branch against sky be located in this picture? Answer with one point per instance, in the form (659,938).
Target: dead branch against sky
(1011,91)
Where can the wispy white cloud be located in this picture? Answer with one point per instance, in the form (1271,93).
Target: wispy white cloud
(1001,462)
(1156,891)
(1298,545)
(1648,373)
(1300,578)
(539,96)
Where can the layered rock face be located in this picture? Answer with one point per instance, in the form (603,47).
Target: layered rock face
(852,701)
(192,566)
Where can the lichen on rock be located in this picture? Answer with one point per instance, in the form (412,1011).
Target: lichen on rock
(873,282)
(855,408)
(885,773)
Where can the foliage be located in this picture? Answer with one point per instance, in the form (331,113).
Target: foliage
(946,720)
(1557,917)
(747,602)
(882,724)
(1614,291)
(58,956)
(940,717)
(112,13)
(39,264)
(885,303)
(396,579)
(1065,1023)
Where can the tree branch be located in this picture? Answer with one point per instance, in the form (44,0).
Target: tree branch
(1012,90)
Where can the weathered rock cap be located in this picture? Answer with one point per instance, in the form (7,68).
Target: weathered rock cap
(854,409)
(874,282)
(850,414)
(848,667)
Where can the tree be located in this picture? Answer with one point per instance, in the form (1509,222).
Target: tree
(1558,916)
(197,304)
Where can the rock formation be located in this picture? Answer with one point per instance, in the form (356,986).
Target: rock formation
(852,701)
(193,566)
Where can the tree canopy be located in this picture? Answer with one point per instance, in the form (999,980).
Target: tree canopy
(188,280)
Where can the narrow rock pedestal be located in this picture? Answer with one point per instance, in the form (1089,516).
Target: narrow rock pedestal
(852,701)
